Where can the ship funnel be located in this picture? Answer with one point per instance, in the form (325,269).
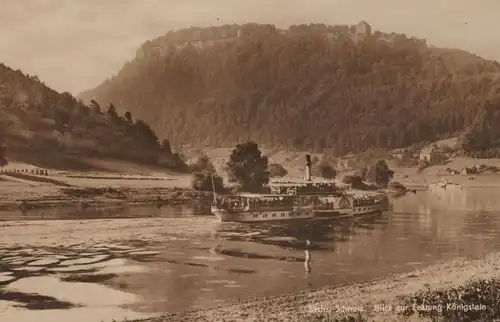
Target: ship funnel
(308,167)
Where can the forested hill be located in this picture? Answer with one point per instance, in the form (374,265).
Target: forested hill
(313,87)
(40,125)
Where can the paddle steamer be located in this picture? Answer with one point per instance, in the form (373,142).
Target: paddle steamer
(296,200)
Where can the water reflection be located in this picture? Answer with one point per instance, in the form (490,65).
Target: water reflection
(451,199)
(117,212)
(67,278)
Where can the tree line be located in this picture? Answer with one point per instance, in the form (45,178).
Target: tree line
(250,171)
(36,120)
(482,138)
(302,90)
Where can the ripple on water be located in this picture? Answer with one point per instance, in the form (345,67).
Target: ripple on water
(6,278)
(174,238)
(145,252)
(21,261)
(117,246)
(208,258)
(44,261)
(220,282)
(29,269)
(11,258)
(125,269)
(187,275)
(232,285)
(89,254)
(87,294)
(116,262)
(128,251)
(88,260)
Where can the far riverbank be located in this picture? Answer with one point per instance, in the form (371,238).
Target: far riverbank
(27,191)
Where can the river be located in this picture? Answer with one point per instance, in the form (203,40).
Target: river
(99,265)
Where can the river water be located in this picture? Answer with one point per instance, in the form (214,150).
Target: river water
(100,265)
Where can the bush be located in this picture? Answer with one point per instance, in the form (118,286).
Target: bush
(380,174)
(397,186)
(361,172)
(357,183)
(174,162)
(201,164)
(326,170)
(277,170)
(202,181)
(451,304)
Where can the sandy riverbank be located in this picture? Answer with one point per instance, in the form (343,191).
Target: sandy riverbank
(49,197)
(66,188)
(358,300)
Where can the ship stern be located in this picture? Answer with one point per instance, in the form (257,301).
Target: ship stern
(222,214)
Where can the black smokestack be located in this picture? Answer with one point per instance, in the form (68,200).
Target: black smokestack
(308,167)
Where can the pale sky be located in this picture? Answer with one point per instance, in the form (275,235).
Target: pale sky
(73,45)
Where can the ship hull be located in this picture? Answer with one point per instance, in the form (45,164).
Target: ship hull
(368,210)
(225,215)
(333,213)
(342,209)
(349,213)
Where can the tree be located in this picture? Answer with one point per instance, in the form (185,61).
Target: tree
(82,110)
(248,167)
(327,171)
(202,164)
(380,174)
(202,181)
(177,163)
(95,107)
(61,118)
(482,137)
(93,137)
(166,148)
(362,173)
(144,132)
(277,170)
(67,101)
(290,94)
(397,186)
(112,112)
(128,117)
(355,181)
(3,156)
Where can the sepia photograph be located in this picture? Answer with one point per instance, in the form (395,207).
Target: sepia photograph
(260,161)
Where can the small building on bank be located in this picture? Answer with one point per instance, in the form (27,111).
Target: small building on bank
(432,155)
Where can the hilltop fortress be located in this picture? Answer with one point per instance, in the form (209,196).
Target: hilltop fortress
(199,38)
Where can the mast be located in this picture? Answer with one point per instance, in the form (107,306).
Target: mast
(213,190)
(308,167)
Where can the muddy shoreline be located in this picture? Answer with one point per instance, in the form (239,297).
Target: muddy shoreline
(101,197)
(376,300)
